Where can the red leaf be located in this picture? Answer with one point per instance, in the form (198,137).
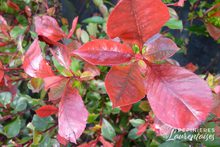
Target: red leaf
(13,5)
(74,24)
(62,140)
(52,81)
(46,111)
(104,52)
(213,31)
(34,64)
(178,97)
(190,66)
(48,27)
(89,144)
(119,140)
(57,91)
(135,21)
(62,55)
(159,48)
(1,71)
(4,28)
(104,142)
(72,115)
(141,129)
(126,109)
(92,69)
(125,85)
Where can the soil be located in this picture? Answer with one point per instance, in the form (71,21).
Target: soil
(201,51)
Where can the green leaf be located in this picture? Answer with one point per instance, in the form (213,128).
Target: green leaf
(5,98)
(136,122)
(174,24)
(107,130)
(172,144)
(132,134)
(16,31)
(84,36)
(94,19)
(13,128)
(41,124)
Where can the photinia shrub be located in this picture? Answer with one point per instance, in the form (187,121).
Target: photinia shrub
(141,70)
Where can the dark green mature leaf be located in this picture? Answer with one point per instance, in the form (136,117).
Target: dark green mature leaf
(13,128)
(107,130)
(41,124)
(133,134)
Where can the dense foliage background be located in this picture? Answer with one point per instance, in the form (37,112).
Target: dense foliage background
(21,95)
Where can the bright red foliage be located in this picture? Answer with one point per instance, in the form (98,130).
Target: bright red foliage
(177,96)
(135,21)
(34,64)
(105,52)
(125,85)
(1,71)
(46,110)
(72,115)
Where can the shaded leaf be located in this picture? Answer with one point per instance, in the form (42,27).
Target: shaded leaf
(213,31)
(125,85)
(34,64)
(137,24)
(46,111)
(35,84)
(174,93)
(5,98)
(1,71)
(159,48)
(104,52)
(94,19)
(71,126)
(41,124)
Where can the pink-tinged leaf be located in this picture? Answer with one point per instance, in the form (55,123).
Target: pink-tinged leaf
(48,27)
(178,97)
(125,85)
(135,21)
(62,140)
(190,66)
(1,71)
(159,48)
(213,31)
(216,107)
(34,64)
(62,55)
(217,90)
(105,52)
(141,129)
(71,125)
(92,69)
(74,23)
(126,109)
(180,3)
(104,142)
(52,81)
(160,128)
(119,140)
(46,111)
(57,91)
(4,28)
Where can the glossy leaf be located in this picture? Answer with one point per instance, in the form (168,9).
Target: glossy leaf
(125,85)
(107,130)
(159,48)
(52,81)
(141,129)
(104,52)
(140,20)
(74,23)
(104,142)
(34,64)
(178,97)
(48,27)
(71,126)
(57,91)
(46,111)
(62,55)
